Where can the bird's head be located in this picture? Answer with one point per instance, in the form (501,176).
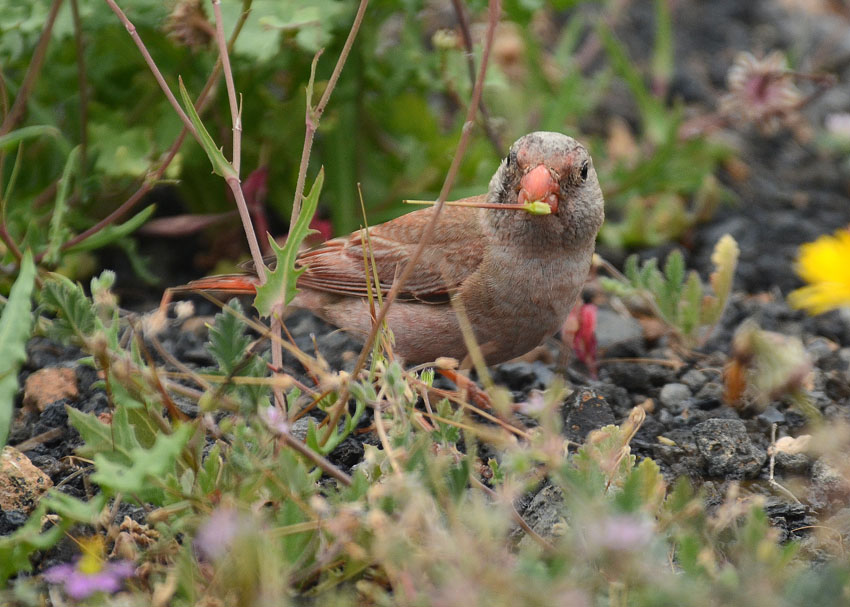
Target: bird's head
(554,169)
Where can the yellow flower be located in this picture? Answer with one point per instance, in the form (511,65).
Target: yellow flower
(825,265)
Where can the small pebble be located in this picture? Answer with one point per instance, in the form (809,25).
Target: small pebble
(675,396)
(694,379)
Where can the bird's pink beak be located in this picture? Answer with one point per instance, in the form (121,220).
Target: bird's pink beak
(539,185)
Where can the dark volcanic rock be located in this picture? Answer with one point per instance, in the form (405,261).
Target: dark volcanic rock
(727,449)
(585,410)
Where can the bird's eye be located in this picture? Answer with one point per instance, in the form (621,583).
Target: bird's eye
(511,159)
(584,169)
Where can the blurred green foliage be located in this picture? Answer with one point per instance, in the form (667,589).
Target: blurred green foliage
(392,123)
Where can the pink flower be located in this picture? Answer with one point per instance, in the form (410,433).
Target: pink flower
(580,330)
(620,533)
(80,584)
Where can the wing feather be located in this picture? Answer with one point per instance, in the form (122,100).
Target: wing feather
(452,255)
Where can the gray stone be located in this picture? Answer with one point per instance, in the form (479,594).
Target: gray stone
(728,450)
(612,328)
(709,396)
(545,515)
(792,463)
(675,397)
(694,379)
(771,415)
(300,426)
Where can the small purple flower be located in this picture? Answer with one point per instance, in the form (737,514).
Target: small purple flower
(274,419)
(218,532)
(80,585)
(621,533)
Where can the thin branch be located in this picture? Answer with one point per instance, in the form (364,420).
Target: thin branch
(20,103)
(495,10)
(235,110)
(326,466)
(541,541)
(463,21)
(131,29)
(83,85)
(314,115)
(154,175)
(248,226)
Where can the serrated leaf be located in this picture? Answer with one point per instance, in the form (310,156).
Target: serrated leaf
(75,316)
(228,342)
(615,287)
(220,164)
(280,284)
(15,328)
(650,277)
(108,440)
(668,296)
(145,465)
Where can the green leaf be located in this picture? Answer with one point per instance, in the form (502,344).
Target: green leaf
(58,230)
(119,150)
(630,269)
(282,280)
(220,164)
(15,326)
(16,549)
(73,509)
(690,307)
(674,274)
(75,317)
(111,233)
(662,51)
(228,342)
(115,441)
(12,139)
(138,478)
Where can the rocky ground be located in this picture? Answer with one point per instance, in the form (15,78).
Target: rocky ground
(791,192)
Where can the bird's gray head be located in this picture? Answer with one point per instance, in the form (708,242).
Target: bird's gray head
(557,170)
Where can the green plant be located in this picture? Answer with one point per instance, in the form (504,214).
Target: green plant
(680,300)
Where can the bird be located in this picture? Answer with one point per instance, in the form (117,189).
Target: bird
(514,274)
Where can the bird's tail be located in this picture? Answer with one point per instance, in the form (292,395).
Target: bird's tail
(235,284)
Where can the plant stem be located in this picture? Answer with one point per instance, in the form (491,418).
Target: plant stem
(156,175)
(131,29)
(314,115)
(495,9)
(235,113)
(84,96)
(235,110)
(463,21)
(33,71)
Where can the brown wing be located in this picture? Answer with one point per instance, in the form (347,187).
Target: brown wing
(453,253)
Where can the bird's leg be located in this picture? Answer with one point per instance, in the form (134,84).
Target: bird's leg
(465,385)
